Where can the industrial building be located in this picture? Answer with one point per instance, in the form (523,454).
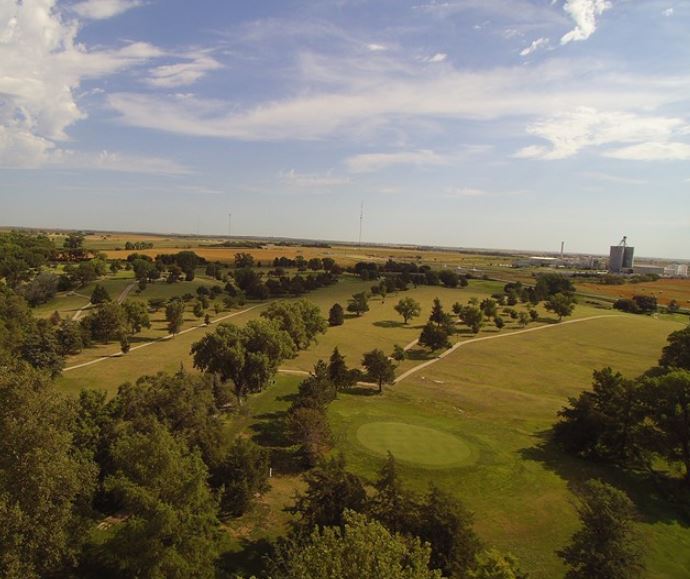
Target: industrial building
(621,257)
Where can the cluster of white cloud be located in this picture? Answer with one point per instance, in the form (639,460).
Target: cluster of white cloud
(644,137)
(43,65)
(196,66)
(585,14)
(103,9)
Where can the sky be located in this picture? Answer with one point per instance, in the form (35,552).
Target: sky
(471,123)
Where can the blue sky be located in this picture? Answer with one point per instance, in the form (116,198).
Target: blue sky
(474,123)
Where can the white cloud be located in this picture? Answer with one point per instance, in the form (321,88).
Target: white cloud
(459,192)
(345,97)
(569,133)
(183,73)
(438,57)
(668,12)
(536,45)
(585,14)
(369,162)
(377,47)
(653,151)
(102,9)
(312,180)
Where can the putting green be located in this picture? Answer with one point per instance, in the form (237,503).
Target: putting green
(415,444)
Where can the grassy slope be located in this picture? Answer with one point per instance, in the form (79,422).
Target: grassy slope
(500,395)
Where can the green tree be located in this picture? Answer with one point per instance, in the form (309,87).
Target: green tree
(41,289)
(301,319)
(434,337)
(359,303)
(198,310)
(338,372)
(608,545)
(172,529)
(667,408)
(248,356)
(244,260)
(408,308)
(472,317)
(379,367)
(560,304)
(362,548)
(242,474)
(100,295)
(330,491)
(523,319)
(106,323)
(136,316)
(174,315)
(489,307)
(673,307)
(399,353)
(447,526)
(398,510)
(492,564)
(676,354)
(499,322)
(308,427)
(45,485)
(336,315)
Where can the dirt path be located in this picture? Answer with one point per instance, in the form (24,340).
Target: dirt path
(162,338)
(125,292)
(496,337)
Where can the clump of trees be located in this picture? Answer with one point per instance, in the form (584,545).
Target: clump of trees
(634,421)
(437,331)
(640,304)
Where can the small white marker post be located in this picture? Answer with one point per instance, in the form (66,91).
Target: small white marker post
(270,472)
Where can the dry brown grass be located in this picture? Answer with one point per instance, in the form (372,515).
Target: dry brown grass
(664,290)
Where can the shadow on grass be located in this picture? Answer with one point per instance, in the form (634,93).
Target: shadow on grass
(418,354)
(249,560)
(658,498)
(390,324)
(269,430)
(362,390)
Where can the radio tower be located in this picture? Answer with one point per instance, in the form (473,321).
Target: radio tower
(229,224)
(361,219)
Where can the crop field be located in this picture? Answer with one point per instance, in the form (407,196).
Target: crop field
(664,290)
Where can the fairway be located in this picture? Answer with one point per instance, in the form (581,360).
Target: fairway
(418,445)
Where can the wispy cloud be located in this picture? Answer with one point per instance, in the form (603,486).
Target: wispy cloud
(195,67)
(103,9)
(539,43)
(312,180)
(653,151)
(585,14)
(377,47)
(370,162)
(667,12)
(614,178)
(437,57)
(569,133)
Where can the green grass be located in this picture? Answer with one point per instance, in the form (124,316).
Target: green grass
(417,445)
(501,396)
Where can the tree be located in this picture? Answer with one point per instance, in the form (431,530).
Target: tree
(645,304)
(523,319)
(489,307)
(359,303)
(362,548)
(676,354)
(100,295)
(41,348)
(248,356)
(603,422)
(492,564)
(45,485)
(667,407)
(447,526)
(174,315)
(41,289)
(124,344)
(472,317)
(301,319)
(379,367)
(549,284)
(242,474)
(408,308)
(308,427)
(136,316)
(449,278)
(172,529)
(499,322)
(434,337)
(243,260)
(397,509)
(608,545)
(560,304)
(198,310)
(330,491)
(338,372)
(534,315)
(399,353)
(106,322)
(336,315)
(70,339)
(673,307)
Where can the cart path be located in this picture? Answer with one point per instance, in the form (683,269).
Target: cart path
(496,337)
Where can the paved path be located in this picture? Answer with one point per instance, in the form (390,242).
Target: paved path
(121,298)
(146,344)
(125,292)
(496,337)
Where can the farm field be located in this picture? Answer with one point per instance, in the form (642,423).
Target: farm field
(664,290)
(473,424)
